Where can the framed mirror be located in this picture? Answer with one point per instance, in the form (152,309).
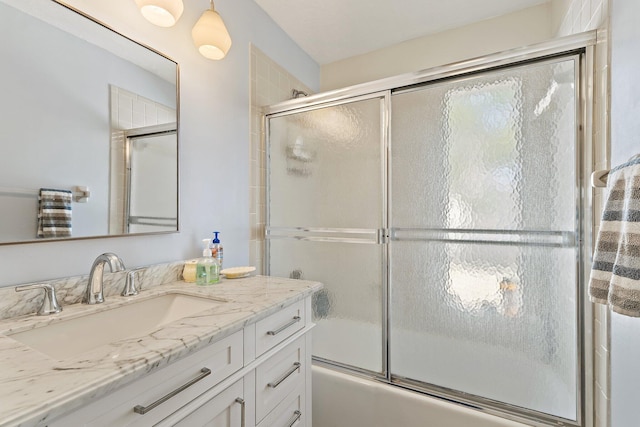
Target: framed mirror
(88,128)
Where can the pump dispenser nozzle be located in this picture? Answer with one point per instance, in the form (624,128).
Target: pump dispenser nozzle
(206,251)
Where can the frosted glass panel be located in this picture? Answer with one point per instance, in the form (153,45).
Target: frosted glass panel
(326,180)
(489,320)
(488,152)
(152,201)
(348,311)
(325,167)
(483,228)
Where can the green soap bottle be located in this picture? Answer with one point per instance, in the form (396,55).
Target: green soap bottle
(207,269)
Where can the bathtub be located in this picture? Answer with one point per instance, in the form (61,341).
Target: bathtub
(341,400)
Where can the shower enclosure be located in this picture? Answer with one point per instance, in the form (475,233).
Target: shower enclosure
(151,165)
(443,211)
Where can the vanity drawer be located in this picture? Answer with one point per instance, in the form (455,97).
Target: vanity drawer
(291,412)
(276,328)
(279,376)
(225,410)
(152,398)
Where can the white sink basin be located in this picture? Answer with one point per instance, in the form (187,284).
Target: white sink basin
(69,338)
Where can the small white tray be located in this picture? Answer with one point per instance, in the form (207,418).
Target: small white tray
(237,272)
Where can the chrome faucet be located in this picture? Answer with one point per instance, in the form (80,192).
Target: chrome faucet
(93,294)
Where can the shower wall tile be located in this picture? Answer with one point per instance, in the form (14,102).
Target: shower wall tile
(270,84)
(117,179)
(584,15)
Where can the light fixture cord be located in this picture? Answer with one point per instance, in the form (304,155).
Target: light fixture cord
(211,3)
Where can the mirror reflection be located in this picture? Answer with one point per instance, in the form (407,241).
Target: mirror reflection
(88,129)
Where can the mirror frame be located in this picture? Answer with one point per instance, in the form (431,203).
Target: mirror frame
(177,79)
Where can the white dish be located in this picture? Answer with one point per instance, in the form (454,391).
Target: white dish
(237,272)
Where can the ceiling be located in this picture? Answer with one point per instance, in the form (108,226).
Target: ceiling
(331,30)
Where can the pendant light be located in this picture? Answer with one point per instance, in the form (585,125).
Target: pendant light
(163,13)
(210,35)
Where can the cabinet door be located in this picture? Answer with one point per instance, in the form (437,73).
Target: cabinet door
(223,410)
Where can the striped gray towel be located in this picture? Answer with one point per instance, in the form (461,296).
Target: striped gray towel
(54,213)
(615,273)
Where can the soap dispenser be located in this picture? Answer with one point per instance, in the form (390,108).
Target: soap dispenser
(216,248)
(207,269)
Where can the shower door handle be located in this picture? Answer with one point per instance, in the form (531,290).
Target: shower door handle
(383,236)
(328,235)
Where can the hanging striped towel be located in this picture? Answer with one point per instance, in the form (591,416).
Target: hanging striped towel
(54,213)
(615,274)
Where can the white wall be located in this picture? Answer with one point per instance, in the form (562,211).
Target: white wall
(517,29)
(214,141)
(625,142)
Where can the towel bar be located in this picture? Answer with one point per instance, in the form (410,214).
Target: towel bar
(599,177)
(80,193)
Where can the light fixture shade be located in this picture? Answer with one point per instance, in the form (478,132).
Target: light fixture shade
(163,13)
(210,35)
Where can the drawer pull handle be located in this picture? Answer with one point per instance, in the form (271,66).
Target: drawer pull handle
(277,382)
(242,406)
(139,409)
(296,416)
(293,321)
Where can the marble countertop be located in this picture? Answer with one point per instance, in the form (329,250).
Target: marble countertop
(35,388)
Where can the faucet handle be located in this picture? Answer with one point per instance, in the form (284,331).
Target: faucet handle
(130,287)
(50,304)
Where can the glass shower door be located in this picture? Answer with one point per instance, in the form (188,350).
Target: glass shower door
(152,167)
(325,216)
(484,247)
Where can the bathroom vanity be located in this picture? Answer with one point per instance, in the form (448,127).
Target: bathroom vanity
(237,354)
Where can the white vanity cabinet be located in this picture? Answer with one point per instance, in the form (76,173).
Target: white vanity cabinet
(257,376)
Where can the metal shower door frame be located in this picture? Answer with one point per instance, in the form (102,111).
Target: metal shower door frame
(580,239)
(378,236)
(582,45)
